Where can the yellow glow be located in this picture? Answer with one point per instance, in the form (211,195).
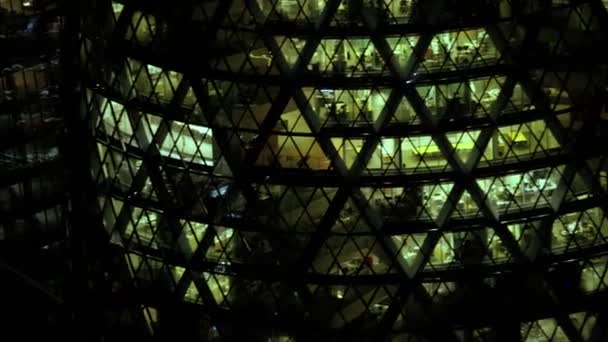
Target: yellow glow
(117,7)
(219,285)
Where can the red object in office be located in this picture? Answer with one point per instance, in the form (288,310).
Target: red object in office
(368,261)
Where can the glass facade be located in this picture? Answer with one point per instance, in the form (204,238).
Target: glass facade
(33,201)
(352,167)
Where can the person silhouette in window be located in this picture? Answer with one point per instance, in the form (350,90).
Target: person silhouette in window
(471,250)
(333,111)
(455,108)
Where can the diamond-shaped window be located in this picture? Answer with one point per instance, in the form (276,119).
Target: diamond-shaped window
(298,152)
(143,228)
(357,255)
(116,10)
(220,286)
(387,157)
(593,276)
(435,197)
(113,120)
(542,330)
(579,230)
(348,107)
(464,143)
(290,48)
(395,11)
(348,57)
(117,168)
(250,54)
(187,142)
(517,192)
(466,207)
(409,246)
(302,208)
(444,253)
(191,236)
(516,143)
(300,11)
(395,204)
(422,154)
(453,101)
(402,49)
(292,120)
(143,29)
(584,322)
(459,50)
(348,149)
(151,83)
(404,114)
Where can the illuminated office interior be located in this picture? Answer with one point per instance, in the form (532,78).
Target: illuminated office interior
(337,169)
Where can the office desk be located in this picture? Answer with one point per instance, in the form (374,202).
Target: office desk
(433,152)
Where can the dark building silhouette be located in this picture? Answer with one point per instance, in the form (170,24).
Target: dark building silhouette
(332,170)
(34,205)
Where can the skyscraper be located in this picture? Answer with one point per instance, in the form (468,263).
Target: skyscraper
(33,200)
(289,170)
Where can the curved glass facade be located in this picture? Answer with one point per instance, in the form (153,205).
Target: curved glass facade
(353,168)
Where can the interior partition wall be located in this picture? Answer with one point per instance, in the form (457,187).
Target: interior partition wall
(282,170)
